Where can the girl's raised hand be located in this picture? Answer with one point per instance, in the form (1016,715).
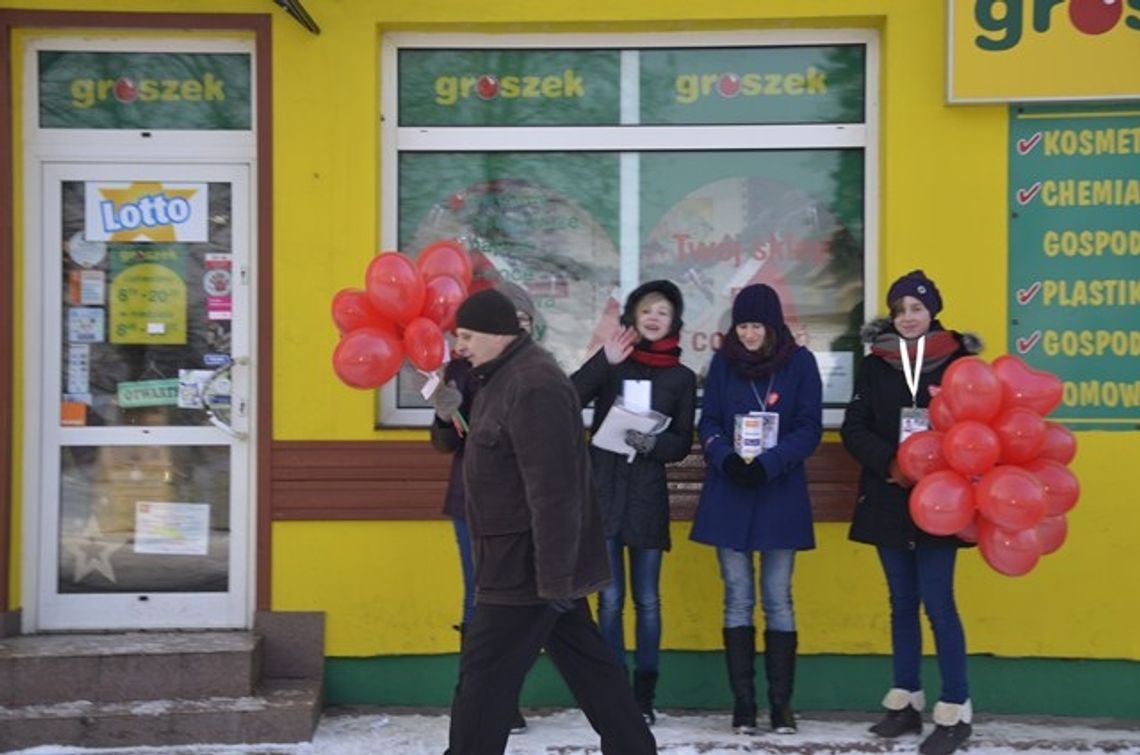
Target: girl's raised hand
(619,345)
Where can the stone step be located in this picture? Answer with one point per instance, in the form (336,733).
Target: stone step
(110,668)
(280,711)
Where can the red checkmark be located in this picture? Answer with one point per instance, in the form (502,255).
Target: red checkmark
(1025,295)
(1025,146)
(1025,196)
(1025,345)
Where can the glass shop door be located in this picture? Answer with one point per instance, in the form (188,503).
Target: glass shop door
(145,468)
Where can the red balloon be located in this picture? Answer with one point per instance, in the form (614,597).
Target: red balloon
(351,310)
(1052,532)
(1062,489)
(972,390)
(970,447)
(394,287)
(1060,444)
(1021,432)
(921,454)
(1023,386)
(969,533)
(1011,498)
(942,503)
(941,418)
(1009,553)
(447,257)
(443,295)
(423,342)
(367,357)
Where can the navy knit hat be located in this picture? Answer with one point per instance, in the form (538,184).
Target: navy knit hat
(916,284)
(758,303)
(488,311)
(669,290)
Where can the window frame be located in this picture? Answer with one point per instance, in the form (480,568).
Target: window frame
(626,138)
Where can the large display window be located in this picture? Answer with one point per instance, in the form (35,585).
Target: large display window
(578,173)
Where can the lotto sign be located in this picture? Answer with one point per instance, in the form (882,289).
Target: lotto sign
(146,211)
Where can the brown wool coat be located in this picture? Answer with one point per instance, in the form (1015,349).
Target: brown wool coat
(536,530)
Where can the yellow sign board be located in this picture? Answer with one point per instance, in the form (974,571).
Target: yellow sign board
(1024,50)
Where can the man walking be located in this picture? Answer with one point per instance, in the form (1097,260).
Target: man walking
(537,542)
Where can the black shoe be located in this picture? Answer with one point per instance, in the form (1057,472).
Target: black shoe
(518,725)
(782,719)
(946,739)
(898,722)
(744,718)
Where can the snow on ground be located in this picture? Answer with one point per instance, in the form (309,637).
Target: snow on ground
(566,732)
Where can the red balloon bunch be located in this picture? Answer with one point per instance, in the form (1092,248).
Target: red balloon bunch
(402,311)
(993,470)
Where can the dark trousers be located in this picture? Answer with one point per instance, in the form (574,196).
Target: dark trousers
(502,643)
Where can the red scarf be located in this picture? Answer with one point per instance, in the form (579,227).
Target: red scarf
(940,346)
(663,353)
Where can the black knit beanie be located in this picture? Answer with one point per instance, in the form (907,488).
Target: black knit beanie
(669,290)
(916,284)
(488,311)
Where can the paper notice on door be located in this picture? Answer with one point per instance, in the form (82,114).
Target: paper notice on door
(172,528)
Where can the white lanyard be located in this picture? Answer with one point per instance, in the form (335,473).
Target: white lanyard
(762,401)
(912,376)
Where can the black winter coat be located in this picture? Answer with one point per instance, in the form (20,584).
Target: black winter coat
(633,495)
(870,432)
(445,438)
(536,532)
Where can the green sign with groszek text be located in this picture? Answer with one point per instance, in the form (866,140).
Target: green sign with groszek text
(145,90)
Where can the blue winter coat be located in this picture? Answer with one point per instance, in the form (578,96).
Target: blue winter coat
(777,515)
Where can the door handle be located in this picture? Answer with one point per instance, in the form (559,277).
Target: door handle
(239,412)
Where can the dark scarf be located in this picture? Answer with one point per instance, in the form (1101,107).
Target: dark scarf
(940,346)
(765,361)
(665,352)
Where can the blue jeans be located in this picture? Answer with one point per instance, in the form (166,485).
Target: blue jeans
(736,569)
(926,576)
(463,540)
(645,579)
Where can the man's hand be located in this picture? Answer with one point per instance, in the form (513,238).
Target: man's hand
(643,443)
(561,605)
(447,400)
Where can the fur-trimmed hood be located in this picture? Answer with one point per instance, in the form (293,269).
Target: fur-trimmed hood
(971,342)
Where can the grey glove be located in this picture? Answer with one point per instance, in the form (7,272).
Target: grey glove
(643,443)
(447,400)
(561,605)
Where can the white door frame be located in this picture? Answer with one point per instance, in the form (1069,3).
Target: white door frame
(230,155)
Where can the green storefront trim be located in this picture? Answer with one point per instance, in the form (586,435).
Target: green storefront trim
(696,680)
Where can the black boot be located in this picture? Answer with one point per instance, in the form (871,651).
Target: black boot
(952,727)
(644,689)
(904,713)
(780,666)
(740,653)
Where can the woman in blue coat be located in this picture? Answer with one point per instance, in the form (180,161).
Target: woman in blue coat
(759,505)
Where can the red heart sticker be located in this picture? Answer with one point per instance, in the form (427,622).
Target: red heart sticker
(773,397)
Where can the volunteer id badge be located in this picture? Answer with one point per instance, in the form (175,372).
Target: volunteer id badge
(913,420)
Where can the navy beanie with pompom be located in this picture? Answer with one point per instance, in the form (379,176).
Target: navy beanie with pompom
(916,284)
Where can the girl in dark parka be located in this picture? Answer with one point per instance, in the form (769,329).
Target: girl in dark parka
(632,494)
(919,567)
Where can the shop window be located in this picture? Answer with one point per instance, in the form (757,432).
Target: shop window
(579,172)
